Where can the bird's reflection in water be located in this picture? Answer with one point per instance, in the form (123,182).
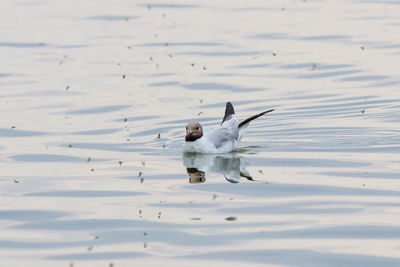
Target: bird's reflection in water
(196,176)
(231,166)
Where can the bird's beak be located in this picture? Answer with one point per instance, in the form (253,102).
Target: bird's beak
(189,137)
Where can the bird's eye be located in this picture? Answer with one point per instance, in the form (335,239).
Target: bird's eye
(186,127)
(197,128)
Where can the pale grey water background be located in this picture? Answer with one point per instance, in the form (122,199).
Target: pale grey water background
(326,163)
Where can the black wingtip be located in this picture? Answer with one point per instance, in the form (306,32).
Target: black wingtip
(246,121)
(229,110)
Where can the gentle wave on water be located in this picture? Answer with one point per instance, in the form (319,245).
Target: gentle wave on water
(95,98)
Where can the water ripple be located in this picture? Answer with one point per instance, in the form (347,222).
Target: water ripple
(85,193)
(98,110)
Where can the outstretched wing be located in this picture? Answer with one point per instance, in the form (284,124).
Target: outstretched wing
(248,120)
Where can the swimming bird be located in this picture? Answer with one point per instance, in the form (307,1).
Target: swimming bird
(221,139)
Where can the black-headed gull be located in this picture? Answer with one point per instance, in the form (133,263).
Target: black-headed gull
(221,139)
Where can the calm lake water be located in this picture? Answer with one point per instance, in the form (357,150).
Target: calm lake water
(95,97)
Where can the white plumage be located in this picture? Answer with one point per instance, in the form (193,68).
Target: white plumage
(221,139)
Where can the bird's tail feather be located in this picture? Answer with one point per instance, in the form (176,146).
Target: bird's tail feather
(246,121)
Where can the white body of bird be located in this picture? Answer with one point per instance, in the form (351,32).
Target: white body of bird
(222,139)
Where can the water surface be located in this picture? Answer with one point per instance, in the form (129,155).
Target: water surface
(94,99)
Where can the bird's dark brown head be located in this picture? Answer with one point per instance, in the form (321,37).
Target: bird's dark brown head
(193,131)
